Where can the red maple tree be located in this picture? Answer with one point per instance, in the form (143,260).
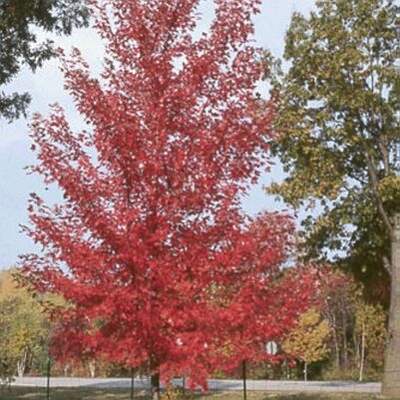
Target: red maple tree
(150,248)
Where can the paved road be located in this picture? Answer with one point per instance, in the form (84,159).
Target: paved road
(214,384)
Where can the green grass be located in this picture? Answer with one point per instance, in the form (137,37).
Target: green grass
(83,393)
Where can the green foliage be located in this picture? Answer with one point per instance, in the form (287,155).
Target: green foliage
(370,329)
(338,123)
(389,191)
(6,373)
(21,21)
(23,326)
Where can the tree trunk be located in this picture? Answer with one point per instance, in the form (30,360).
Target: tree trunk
(362,355)
(305,372)
(244,380)
(337,348)
(345,355)
(155,386)
(21,364)
(92,368)
(391,374)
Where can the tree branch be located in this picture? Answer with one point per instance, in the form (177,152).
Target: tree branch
(374,180)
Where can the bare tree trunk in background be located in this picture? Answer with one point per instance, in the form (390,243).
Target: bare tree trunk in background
(21,364)
(362,353)
(92,368)
(305,372)
(344,327)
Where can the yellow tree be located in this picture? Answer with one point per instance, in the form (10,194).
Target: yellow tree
(23,326)
(308,340)
(370,329)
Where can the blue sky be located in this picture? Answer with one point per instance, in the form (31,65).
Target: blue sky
(46,86)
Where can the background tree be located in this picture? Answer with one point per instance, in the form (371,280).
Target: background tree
(307,342)
(339,296)
(340,141)
(20,23)
(357,327)
(370,330)
(150,248)
(24,326)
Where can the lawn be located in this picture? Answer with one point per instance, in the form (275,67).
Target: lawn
(83,393)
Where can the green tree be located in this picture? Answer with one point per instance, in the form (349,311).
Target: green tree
(20,23)
(340,141)
(308,340)
(24,326)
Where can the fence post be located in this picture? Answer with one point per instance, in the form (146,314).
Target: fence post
(244,380)
(48,378)
(132,382)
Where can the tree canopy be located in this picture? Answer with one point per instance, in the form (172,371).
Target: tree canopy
(21,21)
(150,246)
(339,142)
